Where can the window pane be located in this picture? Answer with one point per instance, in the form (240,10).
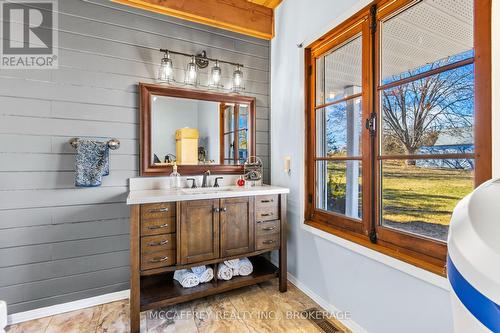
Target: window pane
(229,145)
(243,145)
(338,186)
(427,35)
(338,74)
(339,129)
(433,115)
(229,118)
(320,81)
(419,197)
(243,116)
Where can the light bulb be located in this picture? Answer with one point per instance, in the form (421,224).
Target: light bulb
(237,79)
(216,74)
(191,72)
(166,71)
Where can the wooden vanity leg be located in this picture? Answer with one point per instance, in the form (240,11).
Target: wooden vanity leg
(135,278)
(282,252)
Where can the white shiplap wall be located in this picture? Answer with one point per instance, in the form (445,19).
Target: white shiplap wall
(59,243)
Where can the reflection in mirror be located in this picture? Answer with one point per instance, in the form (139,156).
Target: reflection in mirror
(235,135)
(198,132)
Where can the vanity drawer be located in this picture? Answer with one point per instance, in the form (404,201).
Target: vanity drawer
(157,243)
(268,241)
(158,226)
(157,259)
(267,227)
(157,210)
(266,214)
(266,207)
(266,201)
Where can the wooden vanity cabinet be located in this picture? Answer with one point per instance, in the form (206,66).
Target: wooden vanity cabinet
(207,226)
(199,231)
(165,237)
(237,225)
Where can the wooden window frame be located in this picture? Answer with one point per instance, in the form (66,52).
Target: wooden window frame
(360,27)
(414,249)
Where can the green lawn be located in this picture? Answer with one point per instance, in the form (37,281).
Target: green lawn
(410,193)
(413,193)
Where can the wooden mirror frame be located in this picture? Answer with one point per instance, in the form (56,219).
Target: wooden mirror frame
(145,92)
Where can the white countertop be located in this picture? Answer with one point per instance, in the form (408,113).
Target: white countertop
(170,195)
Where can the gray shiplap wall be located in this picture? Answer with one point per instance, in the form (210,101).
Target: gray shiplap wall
(59,243)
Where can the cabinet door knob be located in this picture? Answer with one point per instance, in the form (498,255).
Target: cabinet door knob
(154,227)
(163,242)
(158,210)
(224,209)
(161,259)
(216,210)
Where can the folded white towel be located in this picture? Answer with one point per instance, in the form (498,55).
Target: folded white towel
(245,267)
(204,273)
(207,275)
(232,263)
(224,272)
(198,270)
(186,278)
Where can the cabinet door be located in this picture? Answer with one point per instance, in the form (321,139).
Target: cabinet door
(199,231)
(237,226)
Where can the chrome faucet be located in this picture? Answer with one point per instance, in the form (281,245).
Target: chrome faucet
(205,176)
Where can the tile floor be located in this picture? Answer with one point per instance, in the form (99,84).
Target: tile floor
(259,308)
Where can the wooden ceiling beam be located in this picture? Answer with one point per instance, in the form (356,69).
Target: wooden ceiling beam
(235,15)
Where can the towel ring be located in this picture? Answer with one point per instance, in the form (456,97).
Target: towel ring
(113,144)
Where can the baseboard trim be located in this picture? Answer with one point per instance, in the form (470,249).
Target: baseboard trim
(347,322)
(66,307)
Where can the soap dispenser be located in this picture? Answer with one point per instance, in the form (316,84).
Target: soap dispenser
(175,177)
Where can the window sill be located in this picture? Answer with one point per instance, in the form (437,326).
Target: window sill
(418,268)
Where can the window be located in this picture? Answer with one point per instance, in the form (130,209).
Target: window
(398,124)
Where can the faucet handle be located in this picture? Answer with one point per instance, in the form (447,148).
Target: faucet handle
(216,184)
(194,182)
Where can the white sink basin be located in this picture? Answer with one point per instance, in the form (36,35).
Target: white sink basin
(204,190)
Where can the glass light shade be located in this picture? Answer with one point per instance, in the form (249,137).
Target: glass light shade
(216,75)
(166,70)
(237,79)
(191,72)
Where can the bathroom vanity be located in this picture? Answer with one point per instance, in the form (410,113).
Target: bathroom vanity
(179,228)
(176,229)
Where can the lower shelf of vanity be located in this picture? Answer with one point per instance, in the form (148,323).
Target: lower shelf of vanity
(161,289)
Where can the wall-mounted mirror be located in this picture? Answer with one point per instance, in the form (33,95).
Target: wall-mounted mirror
(197,130)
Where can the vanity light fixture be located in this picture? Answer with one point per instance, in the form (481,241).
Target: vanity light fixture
(194,69)
(238,79)
(191,72)
(216,75)
(166,71)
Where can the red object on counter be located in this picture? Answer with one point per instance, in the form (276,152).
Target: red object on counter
(241,182)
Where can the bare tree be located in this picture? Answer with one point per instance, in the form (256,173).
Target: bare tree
(416,112)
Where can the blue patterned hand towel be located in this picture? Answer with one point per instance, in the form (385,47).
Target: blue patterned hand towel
(92,162)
